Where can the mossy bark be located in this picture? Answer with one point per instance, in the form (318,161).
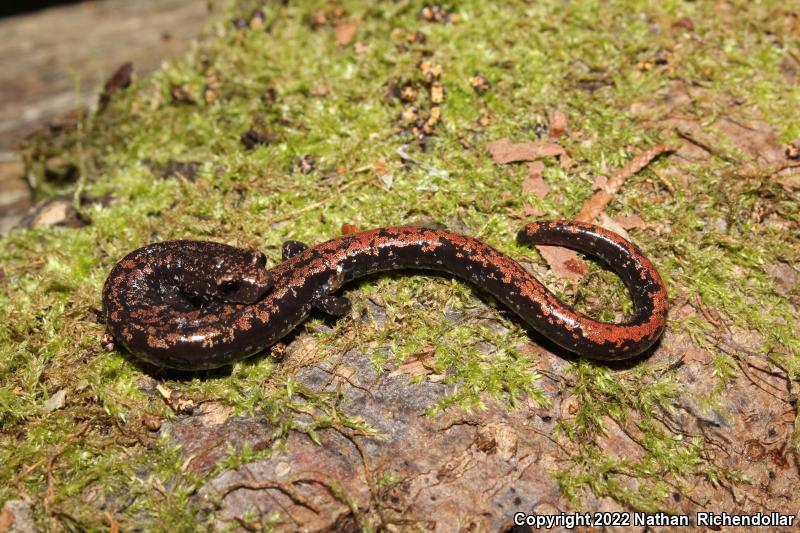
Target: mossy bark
(290,134)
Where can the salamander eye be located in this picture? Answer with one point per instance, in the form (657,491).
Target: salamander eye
(258,259)
(229,286)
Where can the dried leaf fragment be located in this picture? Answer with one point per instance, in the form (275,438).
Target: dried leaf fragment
(564,262)
(610,224)
(437,92)
(504,151)
(696,354)
(175,400)
(558,125)
(419,365)
(120,79)
(151,422)
(349,229)
(346,32)
(383,172)
(630,222)
(789,182)
(56,401)
(531,211)
(534,182)
(480,83)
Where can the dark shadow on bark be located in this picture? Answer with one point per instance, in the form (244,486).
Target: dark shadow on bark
(9,9)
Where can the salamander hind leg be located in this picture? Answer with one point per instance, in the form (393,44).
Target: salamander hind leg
(292,248)
(332,305)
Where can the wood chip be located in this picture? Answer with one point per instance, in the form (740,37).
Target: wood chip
(346,32)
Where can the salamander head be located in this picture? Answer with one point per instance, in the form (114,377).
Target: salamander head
(243,279)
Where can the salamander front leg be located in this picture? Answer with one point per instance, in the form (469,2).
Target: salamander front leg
(292,248)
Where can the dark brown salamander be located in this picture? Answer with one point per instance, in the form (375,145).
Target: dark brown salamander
(192,305)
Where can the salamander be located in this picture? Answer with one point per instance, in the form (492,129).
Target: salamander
(193,305)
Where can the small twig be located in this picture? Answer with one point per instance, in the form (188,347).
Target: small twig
(50,492)
(690,138)
(163,491)
(744,364)
(373,490)
(248,526)
(112,524)
(671,425)
(401,151)
(595,205)
(211,446)
(333,374)
(30,469)
(310,207)
(663,179)
(275,485)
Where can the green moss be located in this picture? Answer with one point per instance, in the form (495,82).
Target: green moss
(581,57)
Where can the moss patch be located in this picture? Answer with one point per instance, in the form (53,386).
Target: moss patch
(603,64)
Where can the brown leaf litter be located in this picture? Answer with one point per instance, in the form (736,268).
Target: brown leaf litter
(565,263)
(534,181)
(504,151)
(346,32)
(558,125)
